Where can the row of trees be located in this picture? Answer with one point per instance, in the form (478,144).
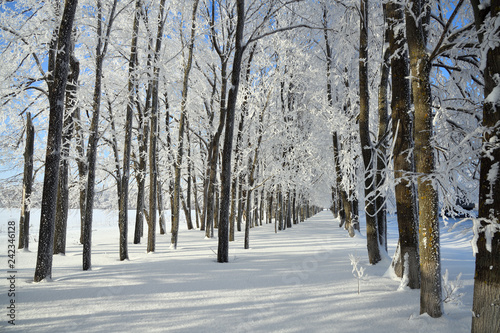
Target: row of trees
(256,110)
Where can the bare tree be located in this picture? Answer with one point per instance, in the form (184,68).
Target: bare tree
(417,18)
(103,39)
(402,129)
(182,126)
(367,151)
(57,91)
(24,221)
(132,86)
(485,308)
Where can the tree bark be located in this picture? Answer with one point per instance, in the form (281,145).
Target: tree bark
(420,65)
(404,166)
(381,149)
(43,268)
(24,221)
(132,95)
(367,151)
(101,50)
(486,302)
(182,120)
(141,171)
(223,231)
(189,220)
(63,190)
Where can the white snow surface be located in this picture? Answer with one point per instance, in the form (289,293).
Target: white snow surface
(298,280)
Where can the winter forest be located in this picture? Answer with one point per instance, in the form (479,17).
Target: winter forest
(370,126)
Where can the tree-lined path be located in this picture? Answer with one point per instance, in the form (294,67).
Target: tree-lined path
(296,281)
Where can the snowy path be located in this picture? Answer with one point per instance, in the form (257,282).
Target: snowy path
(298,280)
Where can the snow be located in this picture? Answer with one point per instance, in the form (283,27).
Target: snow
(298,280)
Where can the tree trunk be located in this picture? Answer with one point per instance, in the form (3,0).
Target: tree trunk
(217,206)
(223,232)
(94,134)
(213,164)
(63,190)
(381,151)
(182,121)
(430,262)
(366,144)
(143,140)
(404,167)
(101,50)
(288,210)
(486,303)
(56,100)
(189,220)
(153,160)
(269,216)
(232,214)
(132,95)
(24,221)
(82,169)
(248,220)
(161,209)
(241,201)
(196,204)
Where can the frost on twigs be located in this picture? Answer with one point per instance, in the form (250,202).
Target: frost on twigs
(358,272)
(451,289)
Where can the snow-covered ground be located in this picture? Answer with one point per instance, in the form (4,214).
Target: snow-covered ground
(298,280)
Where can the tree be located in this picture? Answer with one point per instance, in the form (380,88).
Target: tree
(153,134)
(485,308)
(103,39)
(24,221)
(132,87)
(182,124)
(402,129)
(56,100)
(68,126)
(381,148)
(367,150)
(223,231)
(417,18)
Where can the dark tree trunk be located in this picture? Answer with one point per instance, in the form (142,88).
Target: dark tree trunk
(63,189)
(213,164)
(24,221)
(404,167)
(143,140)
(420,64)
(223,246)
(161,208)
(132,95)
(381,151)
(82,169)
(246,244)
(189,220)
(232,214)
(366,143)
(182,124)
(269,216)
(101,50)
(486,303)
(153,162)
(57,90)
(241,201)
(196,203)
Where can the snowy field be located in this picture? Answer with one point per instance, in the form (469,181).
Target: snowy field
(299,280)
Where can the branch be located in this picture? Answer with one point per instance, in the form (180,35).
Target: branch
(286,29)
(446,29)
